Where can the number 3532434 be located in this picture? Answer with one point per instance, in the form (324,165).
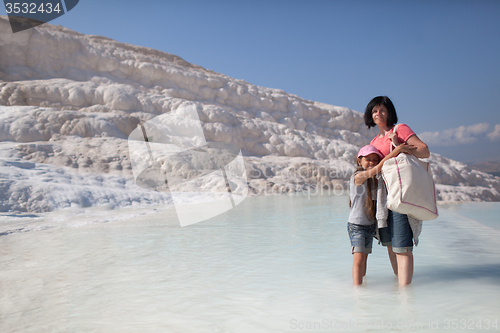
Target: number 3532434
(33,8)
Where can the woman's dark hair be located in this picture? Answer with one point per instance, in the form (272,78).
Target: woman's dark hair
(392,117)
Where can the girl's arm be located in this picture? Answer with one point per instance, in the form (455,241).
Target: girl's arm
(362,176)
(421,151)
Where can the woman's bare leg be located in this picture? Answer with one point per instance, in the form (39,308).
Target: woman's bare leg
(392,258)
(364,263)
(405,267)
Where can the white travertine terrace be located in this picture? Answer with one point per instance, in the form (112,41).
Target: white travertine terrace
(69,101)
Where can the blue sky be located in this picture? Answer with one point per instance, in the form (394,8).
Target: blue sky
(437,60)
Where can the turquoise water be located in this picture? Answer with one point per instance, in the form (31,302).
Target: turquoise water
(272,264)
(485,212)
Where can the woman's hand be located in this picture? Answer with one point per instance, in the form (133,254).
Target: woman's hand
(394,139)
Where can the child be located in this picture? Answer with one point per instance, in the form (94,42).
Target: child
(361,225)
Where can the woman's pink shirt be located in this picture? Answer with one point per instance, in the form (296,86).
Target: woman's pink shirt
(383,144)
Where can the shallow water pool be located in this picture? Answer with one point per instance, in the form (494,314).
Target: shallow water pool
(272,264)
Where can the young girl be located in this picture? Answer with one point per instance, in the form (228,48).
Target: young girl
(363,186)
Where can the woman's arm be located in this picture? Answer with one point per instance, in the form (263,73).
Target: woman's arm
(362,176)
(422,150)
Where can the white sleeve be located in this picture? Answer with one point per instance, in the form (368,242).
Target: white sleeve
(382,211)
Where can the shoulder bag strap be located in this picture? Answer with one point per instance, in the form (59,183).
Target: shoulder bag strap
(394,131)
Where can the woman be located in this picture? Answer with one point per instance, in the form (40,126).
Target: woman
(398,235)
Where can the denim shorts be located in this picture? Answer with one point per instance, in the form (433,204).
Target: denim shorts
(398,233)
(361,237)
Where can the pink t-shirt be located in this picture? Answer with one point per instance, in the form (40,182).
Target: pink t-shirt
(383,144)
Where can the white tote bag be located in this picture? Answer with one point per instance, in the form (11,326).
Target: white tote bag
(410,188)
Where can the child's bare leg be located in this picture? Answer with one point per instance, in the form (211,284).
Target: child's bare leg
(392,258)
(358,267)
(405,268)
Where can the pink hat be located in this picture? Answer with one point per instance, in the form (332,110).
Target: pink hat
(369,149)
